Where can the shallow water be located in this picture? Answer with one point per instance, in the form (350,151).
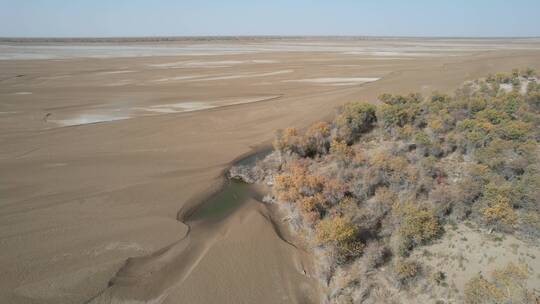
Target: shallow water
(222,204)
(232,196)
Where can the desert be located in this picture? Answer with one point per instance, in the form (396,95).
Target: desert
(112,148)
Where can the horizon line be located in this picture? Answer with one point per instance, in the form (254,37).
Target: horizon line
(229,37)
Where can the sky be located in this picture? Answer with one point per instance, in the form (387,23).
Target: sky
(120,18)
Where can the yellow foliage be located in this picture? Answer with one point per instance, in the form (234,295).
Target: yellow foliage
(386,162)
(479,290)
(341,150)
(406,270)
(508,286)
(315,183)
(418,225)
(510,273)
(406,131)
(297,182)
(284,186)
(500,211)
(286,139)
(436,124)
(322,128)
(338,229)
(311,203)
(351,248)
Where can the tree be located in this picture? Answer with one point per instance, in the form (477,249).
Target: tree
(354,119)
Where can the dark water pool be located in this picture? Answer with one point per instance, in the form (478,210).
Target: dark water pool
(223,203)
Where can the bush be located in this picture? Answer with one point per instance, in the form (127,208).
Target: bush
(477,104)
(500,213)
(343,152)
(417,224)
(316,140)
(338,230)
(528,72)
(515,130)
(312,203)
(355,118)
(397,115)
(285,187)
(287,140)
(406,271)
(399,99)
(508,285)
(480,291)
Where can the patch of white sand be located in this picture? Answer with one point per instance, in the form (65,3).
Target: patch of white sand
(23,93)
(119,83)
(265,61)
(524,83)
(116,72)
(84,119)
(209,64)
(178,107)
(336,81)
(200,105)
(246,75)
(185,77)
(132,112)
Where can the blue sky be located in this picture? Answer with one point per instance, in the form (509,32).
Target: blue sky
(105,18)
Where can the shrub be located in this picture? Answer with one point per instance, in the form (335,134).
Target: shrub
(355,118)
(376,255)
(398,115)
(514,130)
(480,291)
(336,229)
(399,99)
(350,250)
(287,140)
(342,151)
(438,97)
(500,213)
(384,199)
(387,170)
(477,104)
(312,203)
(502,78)
(417,224)
(406,271)
(436,124)
(508,285)
(493,116)
(285,187)
(528,72)
(533,99)
(316,140)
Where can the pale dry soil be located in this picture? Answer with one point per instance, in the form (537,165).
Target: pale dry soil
(103,144)
(466,251)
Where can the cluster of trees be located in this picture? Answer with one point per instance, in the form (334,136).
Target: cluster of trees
(387,177)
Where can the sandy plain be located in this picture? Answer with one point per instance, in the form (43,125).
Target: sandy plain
(105,145)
